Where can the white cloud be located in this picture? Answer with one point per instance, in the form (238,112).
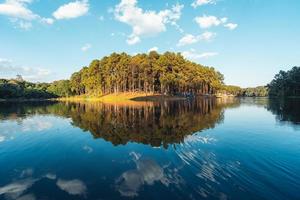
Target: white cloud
(18,12)
(73,187)
(47,20)
(193,55)
(133,39)
(197,3)
(72,10)
(86,47)
(9,70)
(191,39)
(153,49)
(17,9)
(231,26)
(145,23)
(209,21)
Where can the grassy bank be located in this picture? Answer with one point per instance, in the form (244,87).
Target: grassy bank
(124,97)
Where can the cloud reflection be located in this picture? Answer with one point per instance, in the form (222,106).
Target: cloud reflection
(35,124)
(73,187)
(2,138)
(147,172)
(27,197)
(15,189)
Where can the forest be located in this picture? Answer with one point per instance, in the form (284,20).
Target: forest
(167,73)
(152,73)
(286,83)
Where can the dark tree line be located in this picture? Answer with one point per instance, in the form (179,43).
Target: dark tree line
(286,83)
(167,73)
(18,88)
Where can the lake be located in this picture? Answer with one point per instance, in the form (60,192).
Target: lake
(223,149)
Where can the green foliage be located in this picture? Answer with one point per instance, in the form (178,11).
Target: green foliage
(167,73)
(60,88)
(232,90)
(286,83)
(17,88)
(260,91)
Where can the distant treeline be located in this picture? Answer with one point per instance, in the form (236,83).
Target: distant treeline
(260,91)
(284,84)
(18,88)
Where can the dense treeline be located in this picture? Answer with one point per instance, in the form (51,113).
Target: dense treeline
(18,88)
(167,73)
(260,91)
(286,83)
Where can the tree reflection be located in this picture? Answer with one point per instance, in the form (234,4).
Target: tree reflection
(286,110)
(153,123)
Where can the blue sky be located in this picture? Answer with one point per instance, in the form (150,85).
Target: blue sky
(248,41)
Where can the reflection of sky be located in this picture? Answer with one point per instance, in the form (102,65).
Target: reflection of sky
(29,124)
(245,151)
(147,172)
(18,189)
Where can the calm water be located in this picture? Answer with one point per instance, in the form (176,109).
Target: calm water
(205,149)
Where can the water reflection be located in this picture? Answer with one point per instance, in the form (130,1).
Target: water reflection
(147,172)
(46,155)
(22,187)
(286,110)
(157,124)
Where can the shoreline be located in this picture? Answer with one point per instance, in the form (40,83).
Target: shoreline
(124,97)
(129,97)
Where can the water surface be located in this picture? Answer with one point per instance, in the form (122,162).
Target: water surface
(203,149)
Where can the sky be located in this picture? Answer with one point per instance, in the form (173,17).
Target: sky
(248,41)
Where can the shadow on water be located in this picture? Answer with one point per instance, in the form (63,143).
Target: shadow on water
(153,123)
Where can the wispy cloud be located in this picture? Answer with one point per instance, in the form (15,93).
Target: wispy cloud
(9,70)
(209,21)
(231,26)
(198,3)
(193,55)
(86,47)
(206,22)
(191,39)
